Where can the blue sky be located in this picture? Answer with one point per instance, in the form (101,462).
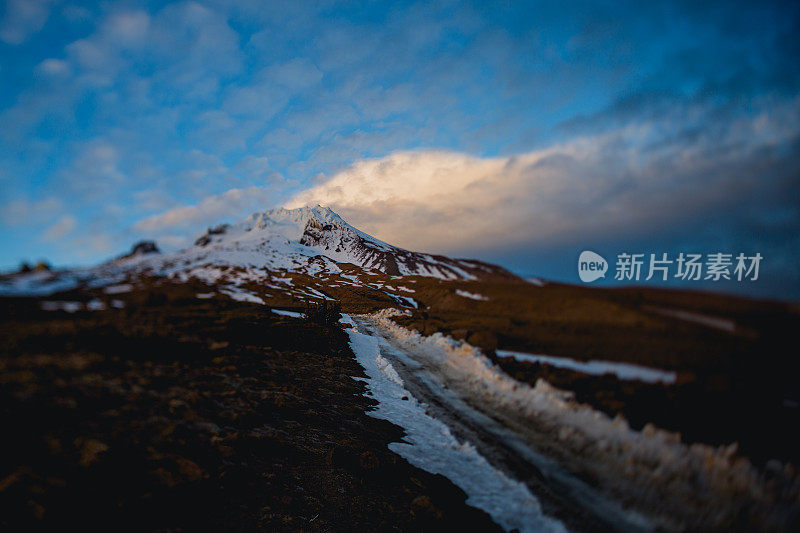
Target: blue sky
(624,126)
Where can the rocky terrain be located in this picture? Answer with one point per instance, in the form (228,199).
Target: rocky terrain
(179,413)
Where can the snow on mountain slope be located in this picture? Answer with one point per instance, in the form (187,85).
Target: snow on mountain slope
(264,249)
(322,232)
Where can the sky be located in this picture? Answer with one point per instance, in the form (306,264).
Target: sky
(519,133)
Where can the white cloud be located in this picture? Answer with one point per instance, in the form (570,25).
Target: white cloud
(613,184)
(25,212)
(92,244)
(128,28)
(281,139)
(299,73)
(212,209)
(255,169)
(53,67)
(186,45)
(63,227)
(23,18)
(95,171)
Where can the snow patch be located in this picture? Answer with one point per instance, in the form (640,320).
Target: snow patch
(118,289)
(38,284)
(96,305)
(241,295)
(472,295)
(347,320)
(405,301)
(292,314)
(623,371)
(430,445)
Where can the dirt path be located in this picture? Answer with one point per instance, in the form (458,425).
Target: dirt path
(575,459)
(561,494)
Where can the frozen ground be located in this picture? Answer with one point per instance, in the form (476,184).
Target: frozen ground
(650,473)
(430,445)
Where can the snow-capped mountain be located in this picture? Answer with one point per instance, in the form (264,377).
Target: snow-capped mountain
(322,232)
(309,252)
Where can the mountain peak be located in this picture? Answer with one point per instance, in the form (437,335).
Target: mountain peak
(283,236)
(142,248)
(283,219)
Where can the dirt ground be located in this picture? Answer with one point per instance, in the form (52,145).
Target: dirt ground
(177,413)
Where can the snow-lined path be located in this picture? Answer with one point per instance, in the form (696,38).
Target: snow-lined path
(492,464)
(431,445)
(583,468)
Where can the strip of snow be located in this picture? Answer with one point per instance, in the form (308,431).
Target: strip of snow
(292,314)
(352,278)
(38,284)
(118,289)
(431,446)
(241,295)
(388,370)
(679,485)
(95,305)
(715,322)
(405,301)
(316,293)
(623,371)
(117,304)
(472,295)
(205,295)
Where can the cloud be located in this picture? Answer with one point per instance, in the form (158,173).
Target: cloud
(63,227)
(128,28)
(23,18)
(95,171)
(91,244)
(22,212)
(630,181)
(211,210)
(255,169)
(299,73)
(53,67)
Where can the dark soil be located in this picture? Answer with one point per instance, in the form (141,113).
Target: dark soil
(183,414)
